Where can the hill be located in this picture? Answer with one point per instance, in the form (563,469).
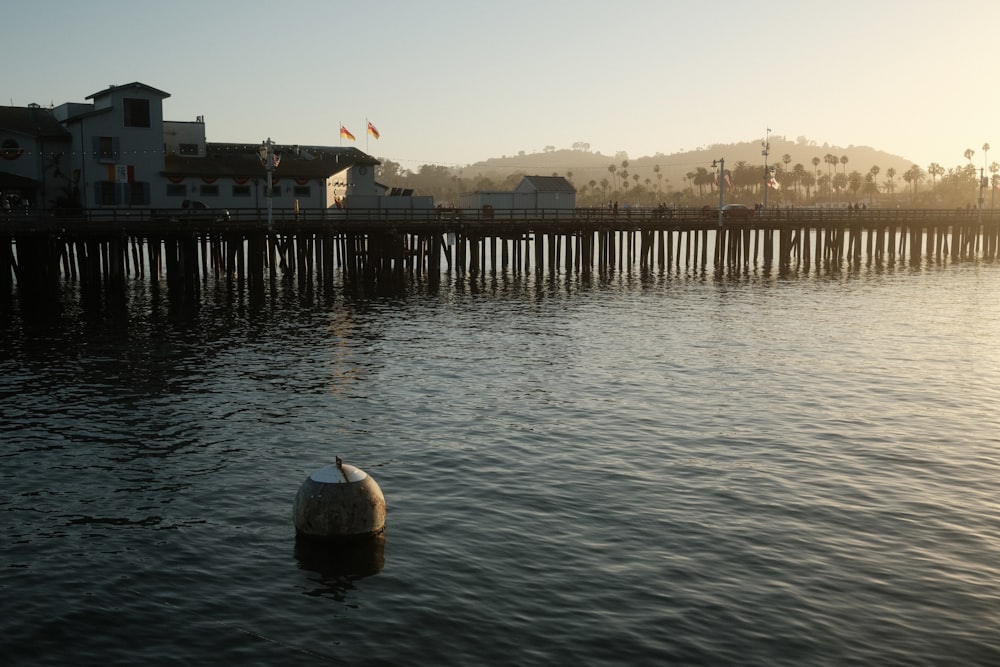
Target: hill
(582,167)
(807,173)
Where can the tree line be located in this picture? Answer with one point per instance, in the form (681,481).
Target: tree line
(823,180)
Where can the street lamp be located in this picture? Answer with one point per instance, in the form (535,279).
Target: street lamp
(767,174)
(721,164)
(982,181)
(270,161)
(982,175)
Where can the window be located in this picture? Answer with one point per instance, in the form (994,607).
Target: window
(136,112)
(241,190)
(303,191)
(188,149)
(176,190)
(106,193)
(138,193)
(106,148)
(209,190)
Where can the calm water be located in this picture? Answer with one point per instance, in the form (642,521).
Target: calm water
(632,470)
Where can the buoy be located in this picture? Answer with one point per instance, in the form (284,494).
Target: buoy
(339,503)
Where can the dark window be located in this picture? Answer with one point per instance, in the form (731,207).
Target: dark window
(175,190)
(303,191)
(241,190)
(189,149)
(106,193)
(136,113)
(138,194)
(209,191)
(106,148)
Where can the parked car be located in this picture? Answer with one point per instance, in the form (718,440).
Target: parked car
(736,211)
(194,209)
(191,210)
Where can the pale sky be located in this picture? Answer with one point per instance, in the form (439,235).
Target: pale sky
(454,82)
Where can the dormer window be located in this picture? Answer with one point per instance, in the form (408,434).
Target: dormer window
(136,112)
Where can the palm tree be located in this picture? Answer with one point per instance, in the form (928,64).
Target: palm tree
(839,183)
(969,153)
(874,174)
(815,162)
(701,178)
(913,175)
(808,180)
(798,172)
(843,163)
(935,170)
(986,150)
(994,168)
(871,185)
(854,181)
(891,173)
(612,168)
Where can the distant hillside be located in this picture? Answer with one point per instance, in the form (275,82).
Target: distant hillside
(581,166)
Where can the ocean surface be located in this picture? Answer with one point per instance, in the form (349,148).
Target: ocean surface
(638,468)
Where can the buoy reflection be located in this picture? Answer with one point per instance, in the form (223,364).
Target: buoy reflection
(356,559)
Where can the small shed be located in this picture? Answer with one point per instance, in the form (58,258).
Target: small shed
(544,195)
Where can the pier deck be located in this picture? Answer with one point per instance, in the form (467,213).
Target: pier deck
(37,250)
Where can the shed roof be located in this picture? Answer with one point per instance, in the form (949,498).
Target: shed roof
(135,85)
(32,121)
(546,184)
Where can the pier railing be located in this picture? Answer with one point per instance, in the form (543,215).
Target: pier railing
(344,217)
(104,246)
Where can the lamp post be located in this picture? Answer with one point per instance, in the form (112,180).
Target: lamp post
(767,174)
(721,164)
(267,158)
(982,181)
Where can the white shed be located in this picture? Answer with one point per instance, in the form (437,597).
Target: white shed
(536,194)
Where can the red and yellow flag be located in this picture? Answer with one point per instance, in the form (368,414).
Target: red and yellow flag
(344,134)
(371,130)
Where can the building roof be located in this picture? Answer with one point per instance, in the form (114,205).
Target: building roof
(135,85)
(243,160)
(546,184)
(32,121)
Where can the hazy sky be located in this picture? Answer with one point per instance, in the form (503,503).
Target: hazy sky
(451,83)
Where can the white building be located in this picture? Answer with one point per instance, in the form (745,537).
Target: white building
(116,152)
(537,194)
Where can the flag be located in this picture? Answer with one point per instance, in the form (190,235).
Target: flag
(344,134)
(371,130)
(773,183)
(276,160)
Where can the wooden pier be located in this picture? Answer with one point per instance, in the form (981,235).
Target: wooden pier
(106,248)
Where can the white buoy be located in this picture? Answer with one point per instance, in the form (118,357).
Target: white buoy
(339,503)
